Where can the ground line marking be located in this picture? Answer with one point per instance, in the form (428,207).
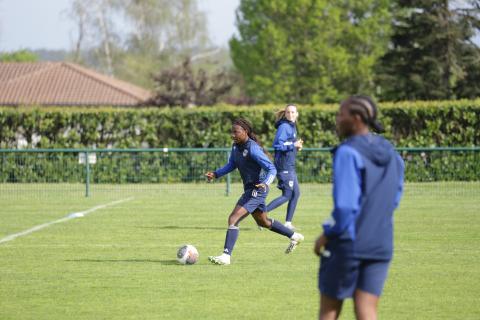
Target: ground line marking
(70,216)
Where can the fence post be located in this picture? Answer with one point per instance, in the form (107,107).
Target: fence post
(229,181)
(87,176)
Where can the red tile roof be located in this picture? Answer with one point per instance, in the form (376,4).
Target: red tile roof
(62,83)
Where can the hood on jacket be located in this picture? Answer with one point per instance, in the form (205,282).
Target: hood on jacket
(282,121)
(375,148)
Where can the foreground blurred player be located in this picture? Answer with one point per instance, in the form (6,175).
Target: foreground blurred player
(286,146)
(248,156)
(357,243)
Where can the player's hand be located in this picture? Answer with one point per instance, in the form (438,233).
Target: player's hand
(320,244)
(262,186)
(210,176)
(298,144)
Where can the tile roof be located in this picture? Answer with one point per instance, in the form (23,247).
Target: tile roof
(62,83)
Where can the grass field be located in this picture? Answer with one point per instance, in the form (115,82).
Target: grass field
(118,262)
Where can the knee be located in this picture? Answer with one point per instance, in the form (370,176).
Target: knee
(232,221)
(263,222)
(287,193)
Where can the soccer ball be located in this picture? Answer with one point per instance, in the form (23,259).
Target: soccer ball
(187,254)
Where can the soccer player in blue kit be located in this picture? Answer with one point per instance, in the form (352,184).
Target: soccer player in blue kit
(286,145)
(257,172)
(356,246)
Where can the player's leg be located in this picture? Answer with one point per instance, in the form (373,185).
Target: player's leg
(337,280)
(237,215)
(329,308)
(292,204)
(372,276)
(263,220)
(286,194)
(366,305)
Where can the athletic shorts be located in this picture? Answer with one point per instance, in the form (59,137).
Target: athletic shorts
(340,276)
(286,180)
(253,199)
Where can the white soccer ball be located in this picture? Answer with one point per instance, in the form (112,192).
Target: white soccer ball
(187,254)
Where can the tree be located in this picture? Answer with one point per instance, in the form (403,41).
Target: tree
(133,38)
(18,56)
(185,87)
(432,53)
(309,51)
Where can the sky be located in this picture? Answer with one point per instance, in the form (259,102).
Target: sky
(44,24)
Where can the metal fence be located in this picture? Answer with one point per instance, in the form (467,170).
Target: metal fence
(85,171)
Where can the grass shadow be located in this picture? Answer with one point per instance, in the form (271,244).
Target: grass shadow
(186,228)
(163,262)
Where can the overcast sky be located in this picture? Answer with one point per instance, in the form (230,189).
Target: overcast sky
(36,24)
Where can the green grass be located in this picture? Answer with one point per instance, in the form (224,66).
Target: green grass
(119,262)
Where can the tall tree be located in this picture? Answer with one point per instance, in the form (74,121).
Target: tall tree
(97,30)
(432,53)
(309,50)
(133,38)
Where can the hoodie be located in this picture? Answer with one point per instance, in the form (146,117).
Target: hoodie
(367,187)
(283,144)
(253,164)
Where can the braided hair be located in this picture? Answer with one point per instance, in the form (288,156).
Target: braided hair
(366,109)
(248,128)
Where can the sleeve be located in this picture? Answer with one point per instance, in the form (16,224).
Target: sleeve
(346,191)
(280,142)
(401,167)
(261,158)
(229,167)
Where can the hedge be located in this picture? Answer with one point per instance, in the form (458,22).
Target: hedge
(408,124)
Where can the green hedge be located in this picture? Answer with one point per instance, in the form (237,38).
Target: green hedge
(418,124)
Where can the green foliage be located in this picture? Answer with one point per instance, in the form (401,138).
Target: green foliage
(433,54)
(421,124)
(408,124)
(309,51)
(18,56)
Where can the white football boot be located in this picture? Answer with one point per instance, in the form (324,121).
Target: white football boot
(223,259)
(295,239)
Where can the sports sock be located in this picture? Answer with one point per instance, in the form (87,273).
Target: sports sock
(230,239)
(280,228)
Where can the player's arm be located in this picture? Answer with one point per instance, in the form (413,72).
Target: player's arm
(401,167)
(346,192)
(229,167)
(281,143)
(261,158)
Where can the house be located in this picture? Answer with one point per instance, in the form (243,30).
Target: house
(64,84)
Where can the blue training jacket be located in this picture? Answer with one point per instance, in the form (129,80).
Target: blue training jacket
(367,187)
(283,144)
(253,164)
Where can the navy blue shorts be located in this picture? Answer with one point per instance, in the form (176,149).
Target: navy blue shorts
(253,199)
(340,276)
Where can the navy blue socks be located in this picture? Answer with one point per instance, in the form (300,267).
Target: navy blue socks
(280,228)
(230,239)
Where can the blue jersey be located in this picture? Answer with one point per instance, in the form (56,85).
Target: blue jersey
(253,164)
(285,151)
(367,187)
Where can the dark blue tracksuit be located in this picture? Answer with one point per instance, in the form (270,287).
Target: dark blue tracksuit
(285,154)
(367,187)
(255,168)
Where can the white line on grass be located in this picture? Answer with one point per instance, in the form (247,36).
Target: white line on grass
(68,217)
